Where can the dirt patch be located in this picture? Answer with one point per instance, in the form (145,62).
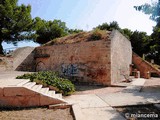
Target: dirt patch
(36,114)
(140,112)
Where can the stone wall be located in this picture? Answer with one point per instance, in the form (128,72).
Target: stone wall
(144,67)
(121,56)
(6,63)
(24,59)
(84,61)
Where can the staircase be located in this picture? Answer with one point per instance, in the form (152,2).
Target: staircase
(28,94)
(143,66)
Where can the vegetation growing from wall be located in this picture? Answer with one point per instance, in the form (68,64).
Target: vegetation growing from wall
(97,34)
(48,78)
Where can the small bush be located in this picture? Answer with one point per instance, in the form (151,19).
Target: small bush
(96,35)
(48,78)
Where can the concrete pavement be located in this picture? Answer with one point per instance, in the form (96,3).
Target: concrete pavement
(101,106)
(98,106)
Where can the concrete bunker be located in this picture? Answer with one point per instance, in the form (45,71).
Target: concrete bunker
(102,61)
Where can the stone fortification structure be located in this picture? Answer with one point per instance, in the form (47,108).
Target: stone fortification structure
(97,58)
(102,61)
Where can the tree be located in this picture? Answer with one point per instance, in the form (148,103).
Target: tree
(72,31)
(49,30)
(151,9)
(15,22)
(154,11)
(140,42)
(109,27)
(126,32)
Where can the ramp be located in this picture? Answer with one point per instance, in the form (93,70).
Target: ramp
(23,93)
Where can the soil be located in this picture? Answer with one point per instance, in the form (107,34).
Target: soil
(36,114)
(138,110)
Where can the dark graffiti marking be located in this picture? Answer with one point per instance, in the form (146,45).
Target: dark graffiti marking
(69,70)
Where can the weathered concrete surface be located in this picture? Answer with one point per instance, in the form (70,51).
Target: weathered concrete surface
(135,86)
(121,56)
(91,107)
(6,63)
(87,106)
(101,61)
(85,61)
(151,85)
(22,59)
(17,93)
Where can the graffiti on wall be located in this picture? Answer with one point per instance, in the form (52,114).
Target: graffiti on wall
(69,70)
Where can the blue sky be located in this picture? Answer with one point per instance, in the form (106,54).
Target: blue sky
(86,14)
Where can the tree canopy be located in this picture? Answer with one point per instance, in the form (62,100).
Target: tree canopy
(141,42)
(15,22)
(49,30)
(154,11)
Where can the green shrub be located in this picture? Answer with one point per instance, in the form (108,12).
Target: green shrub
(48,78)
(96,35)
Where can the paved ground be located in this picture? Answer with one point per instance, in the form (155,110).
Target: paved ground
(97,103)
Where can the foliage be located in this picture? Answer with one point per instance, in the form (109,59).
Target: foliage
(140,42)
(73,31)
(49,78)
(15,22)
(126,32)
(153,10)
(49,30)
(109,27)
(96,35)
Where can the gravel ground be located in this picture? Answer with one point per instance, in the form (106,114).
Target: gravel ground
(36,114)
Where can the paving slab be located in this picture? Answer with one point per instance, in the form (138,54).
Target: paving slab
(138,82)
(125,99)
(8,78)
(92,107)
(135,86)
(106,113)
(86,101)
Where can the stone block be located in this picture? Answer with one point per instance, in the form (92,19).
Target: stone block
(19,101)
(1,91)
(18,91)
(45,100)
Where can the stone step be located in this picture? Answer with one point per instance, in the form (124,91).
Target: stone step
(51,93)
(44,90)
(36,87)
(58,95)
(29,84)
(23,82)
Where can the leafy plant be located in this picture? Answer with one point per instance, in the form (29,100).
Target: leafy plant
(96,35)
(48,78)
